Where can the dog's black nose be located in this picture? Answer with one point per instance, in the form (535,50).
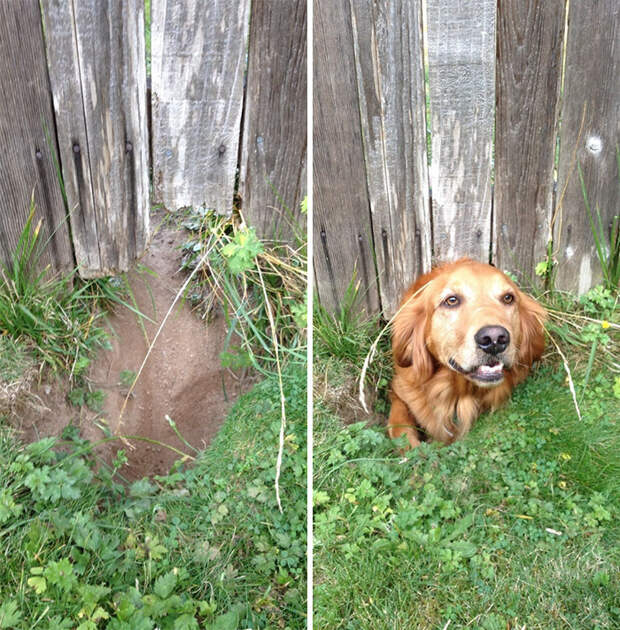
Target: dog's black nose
(492,339)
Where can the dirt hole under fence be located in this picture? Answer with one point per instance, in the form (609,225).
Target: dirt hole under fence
(183,377)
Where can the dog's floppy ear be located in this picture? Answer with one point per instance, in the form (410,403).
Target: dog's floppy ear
(532,316)
(408,344)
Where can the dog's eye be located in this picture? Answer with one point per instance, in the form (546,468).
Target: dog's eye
(452,300)
(509,298)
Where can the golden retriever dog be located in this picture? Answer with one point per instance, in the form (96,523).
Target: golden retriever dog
(463,337)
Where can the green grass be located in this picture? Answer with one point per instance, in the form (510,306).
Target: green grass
(608,253)
(205,547)
(460,534)
(147,35)
(345,333)
(253,281)
(15,360)
(57,317)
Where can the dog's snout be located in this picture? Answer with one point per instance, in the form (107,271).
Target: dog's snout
(492,339)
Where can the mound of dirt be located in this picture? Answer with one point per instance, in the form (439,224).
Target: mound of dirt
(182,379)
(336,385)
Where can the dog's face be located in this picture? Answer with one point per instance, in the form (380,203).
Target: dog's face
(471,318)
(475,326)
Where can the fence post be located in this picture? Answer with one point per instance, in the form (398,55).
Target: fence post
(97,68)
(343,244)
(461,57)
(590,137)
(28,137)
(198,52)
(529,69)
(390,81)
(273,154)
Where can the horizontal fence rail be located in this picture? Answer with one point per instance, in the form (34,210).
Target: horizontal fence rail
(449,129)
(225,122)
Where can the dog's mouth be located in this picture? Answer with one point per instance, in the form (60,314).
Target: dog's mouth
(490,372)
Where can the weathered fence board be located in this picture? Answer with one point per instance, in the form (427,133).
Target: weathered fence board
(491,197)
(528,86)
(198,53)
(273,166)
(97,70)
(461,57)
(590,137)
(390,76)
(342,224)
(26,118)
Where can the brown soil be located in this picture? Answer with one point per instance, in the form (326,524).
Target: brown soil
(338,389)
(182,379)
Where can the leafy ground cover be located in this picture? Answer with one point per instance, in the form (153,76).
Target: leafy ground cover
(516,526)
(204,547)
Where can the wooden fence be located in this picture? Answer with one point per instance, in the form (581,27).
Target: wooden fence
(227,116)
(479,157)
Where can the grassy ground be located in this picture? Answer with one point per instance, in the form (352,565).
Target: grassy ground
(205,547)
(201,547)
(515,526)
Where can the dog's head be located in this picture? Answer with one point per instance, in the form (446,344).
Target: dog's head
(470,317)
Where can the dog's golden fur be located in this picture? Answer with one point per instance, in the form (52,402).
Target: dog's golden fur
(443,377)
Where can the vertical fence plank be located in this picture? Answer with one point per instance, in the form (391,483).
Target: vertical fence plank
(342,224)
(589,138)
(27,157)
(273,156)
(461,57)
(390,76)
(528,86)
(198,53)
(98,78)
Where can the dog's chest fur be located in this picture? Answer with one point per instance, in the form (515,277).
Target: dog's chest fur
(446,406)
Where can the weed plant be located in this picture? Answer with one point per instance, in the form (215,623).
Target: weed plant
(608,253)
(346,332)
(199,548)
(606,242)
(249,277)
(56,317)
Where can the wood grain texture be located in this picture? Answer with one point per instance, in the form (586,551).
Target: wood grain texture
(390,78)
(590,137)
(273,156)
(529,69)
(98,77)
(198,55)
(343,246)
(27,159)
(461,57)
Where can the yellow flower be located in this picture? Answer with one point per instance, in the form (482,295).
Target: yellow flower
(605,325)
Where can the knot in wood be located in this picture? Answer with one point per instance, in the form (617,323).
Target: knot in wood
(128,147)
(221,149)
(76,148)
(594,145)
